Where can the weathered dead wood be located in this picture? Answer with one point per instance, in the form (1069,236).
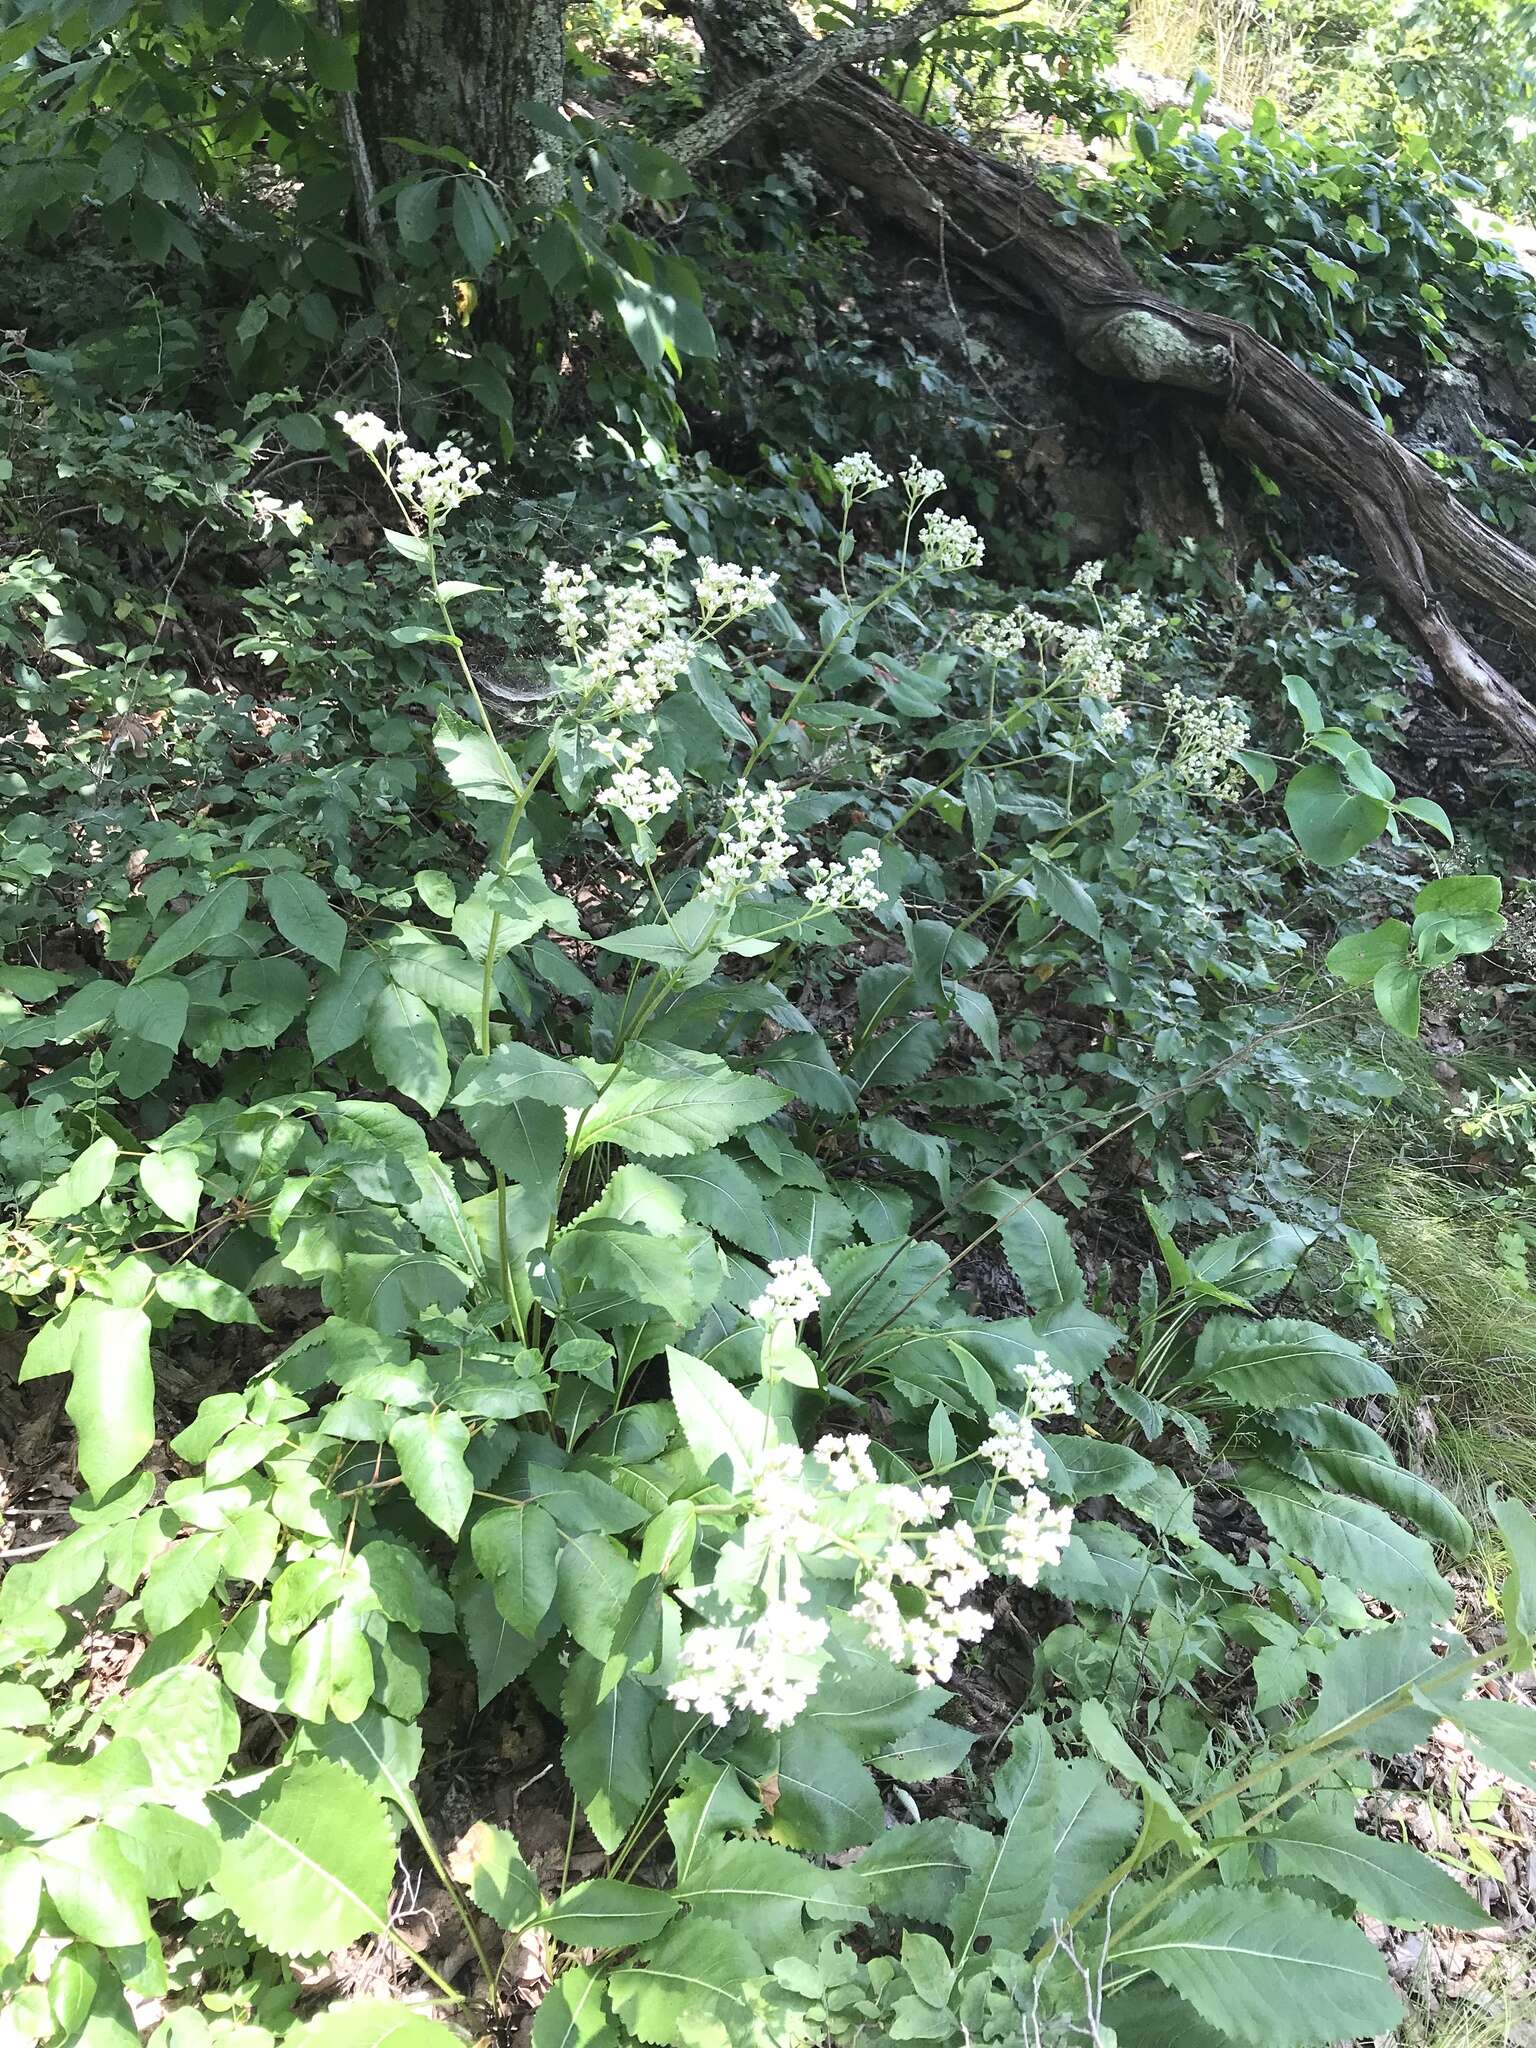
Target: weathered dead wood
(996,221)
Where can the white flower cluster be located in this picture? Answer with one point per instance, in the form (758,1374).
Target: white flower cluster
(636,656)
(1210,732)
(859,474)
(368,432)
(1047,1390)
(723,591)
(794,1292)
(664,549)
(437,482)
(1036,1534)
(430,482)
(1014,1449)
(950,542)
(922,482)
(943,1572)
(641,794)
(753,851)
(1094,659)
(846,885)
(267,512)
(766,1666)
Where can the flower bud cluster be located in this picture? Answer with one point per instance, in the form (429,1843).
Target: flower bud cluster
(724,592)
(922,482)
(846,885)
(1210,732)
(795,1291)
(753,851)
(641,794)
(950,542)
(857,475)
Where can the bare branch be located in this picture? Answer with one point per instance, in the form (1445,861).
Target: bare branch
(859,43)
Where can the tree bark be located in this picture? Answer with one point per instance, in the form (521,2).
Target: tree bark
(452,74)
(991,218)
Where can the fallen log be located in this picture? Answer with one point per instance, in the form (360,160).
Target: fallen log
(994,219)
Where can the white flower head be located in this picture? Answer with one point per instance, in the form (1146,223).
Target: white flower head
(1036,1534)
(795,1291)
(1048,1390)
(268,512)
(856,476)
(436,482)
(662,548)
(922,482)
(950,542)
(367,431)
(1014,1449)
(846,885)
(1209,734)
(753,851)
(769,1666)
(723,591)
(581,449)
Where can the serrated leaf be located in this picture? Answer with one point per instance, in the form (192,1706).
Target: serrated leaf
(1003,1900)
(693,1974)
(186,1725)
(489,1865)
(307,1859)
(1351,1539)
(1036,1246)
(766,1892)
(518,1550)
(1282,1363)
(407,1047)
(372,2023)
(607,1751)
(721,1426)
(604,1912)
(667,1103)
(1267,1969)
(915,1872)
(1388,1880)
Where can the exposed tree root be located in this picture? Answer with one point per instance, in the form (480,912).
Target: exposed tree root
(993,219)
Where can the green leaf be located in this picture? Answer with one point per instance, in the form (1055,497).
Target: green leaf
(1362,1673)
(914,1872)
(607,1750)
(719,1423)
(595,1578)
(1161,1808)
(1351,1539)
(1331,821)
(475,766)
(766,1892)
(692,1977)
(193,1288)
(82,1187)
(1398,990)
(1067,898)
(340,1012)
(1360,957)
(307,1859)
(155,1011)
(572,2013)
(186,1724)
(431,1450)
(518,1550)
(1388,1880)
(1095,1827)
(490,1866)
(668,1103)
(112,1400)
(172,1182)
(827,1801)
(214,917)
(1267,1969)
(1517,1600)
(1005,1897)
(407,1047)
(800,1062)
(95,1888)
(1035,1244)
(606,1913)
(1350,1455)
(371,2023)
(1282,1363)
(1428,812)
(302,912)
(1502,1733)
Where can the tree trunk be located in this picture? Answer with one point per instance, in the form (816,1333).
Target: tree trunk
(988,217)
(452,74)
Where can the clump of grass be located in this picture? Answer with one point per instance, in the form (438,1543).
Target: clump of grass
(1467,1325)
